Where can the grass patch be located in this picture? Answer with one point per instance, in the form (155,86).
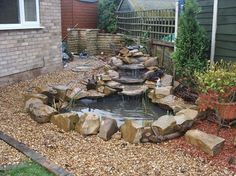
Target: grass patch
(25,169)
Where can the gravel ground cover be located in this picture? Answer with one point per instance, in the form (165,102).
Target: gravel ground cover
(91,155)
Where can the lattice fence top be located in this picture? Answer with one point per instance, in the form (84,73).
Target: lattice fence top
(154,24)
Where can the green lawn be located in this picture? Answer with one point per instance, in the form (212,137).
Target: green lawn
(25,169)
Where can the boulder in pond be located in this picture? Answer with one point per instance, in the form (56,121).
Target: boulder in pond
(65,121)
(208,143)
(164,125)
(131,131)
(41,113)
(88,124)
(108,127)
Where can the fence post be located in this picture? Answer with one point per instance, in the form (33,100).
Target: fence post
(214,29)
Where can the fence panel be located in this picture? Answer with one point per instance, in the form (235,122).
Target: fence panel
(153,24)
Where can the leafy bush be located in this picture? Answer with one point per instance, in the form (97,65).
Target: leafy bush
(192,43)
(217,77)
(107,17)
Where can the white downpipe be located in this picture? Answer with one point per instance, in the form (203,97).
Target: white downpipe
(176,21)
(214,29)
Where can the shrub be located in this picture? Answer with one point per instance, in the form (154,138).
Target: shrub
(217,77)
(107,18)
(192,43)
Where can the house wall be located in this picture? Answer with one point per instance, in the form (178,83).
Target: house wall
(79,14)
(27,53)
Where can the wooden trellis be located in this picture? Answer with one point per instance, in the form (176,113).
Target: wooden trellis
(155,24)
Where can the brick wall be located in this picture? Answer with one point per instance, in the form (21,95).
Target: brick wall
(92,41)
(27,53)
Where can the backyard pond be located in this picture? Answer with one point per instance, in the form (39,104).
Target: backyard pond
(120,107)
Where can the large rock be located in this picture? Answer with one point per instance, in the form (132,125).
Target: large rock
(42,97)
(116,62)
(164,125)
(161,92)
(188,113)
(172,102)
(150,84)
(105,78)
(131,132)
(151,62)
(108,127)
(185,119)
(75,94)
(41,113)
(113,74)
(137,54)
(49,92)
(31,102)
(88,125)
(124,51)
(108,90)
(208,143)
(167,80)
(46,90)
(66,121)
(148,74)
(61,91)
(142,59)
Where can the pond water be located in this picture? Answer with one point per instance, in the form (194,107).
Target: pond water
(120,107)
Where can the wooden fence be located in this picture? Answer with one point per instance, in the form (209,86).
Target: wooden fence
(154,24)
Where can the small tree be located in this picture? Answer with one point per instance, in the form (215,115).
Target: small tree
(107,17)
(192,43)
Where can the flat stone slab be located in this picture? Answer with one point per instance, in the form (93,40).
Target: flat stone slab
(208,143)
(133,90)
(132,67)
(78,94)
(113,84)
(126,80)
